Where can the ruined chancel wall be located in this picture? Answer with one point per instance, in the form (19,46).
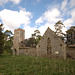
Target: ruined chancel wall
(51,45)
(28,51)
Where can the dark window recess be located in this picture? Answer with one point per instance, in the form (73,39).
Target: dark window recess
(60,44)
(54,36)
(26,51)
(42,38)
(15,51)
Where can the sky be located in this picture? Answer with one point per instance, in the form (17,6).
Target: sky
(36,14)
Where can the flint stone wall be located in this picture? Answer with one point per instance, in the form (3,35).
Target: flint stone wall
(70,51)
(57,45)
(28,51)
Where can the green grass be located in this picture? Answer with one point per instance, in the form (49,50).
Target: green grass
(30,65)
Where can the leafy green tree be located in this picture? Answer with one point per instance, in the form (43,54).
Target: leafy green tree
(72,29)
(7,35)
(33,35)
(1,39)
(37,32)
(33,41)
(37,36)
(58,28)
(70,35)
(29,42)
(38,39)
(8,38)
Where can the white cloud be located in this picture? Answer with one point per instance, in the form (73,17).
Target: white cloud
(28,31)
(2,2)
(51,15)
(73,14)
(67,4)
(43,28)
(69,22)
(64,4)
(38,21)
(13,19)
(72,3)
(21,8)
(49,18)
(15,1)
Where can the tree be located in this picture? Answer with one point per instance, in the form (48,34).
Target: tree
(8,38)
(70,36)
(58,28)
(37,36)
(38,39)
(7,35)
(33,35)
(72,29)
(29,42)
(1,39)
(37,32)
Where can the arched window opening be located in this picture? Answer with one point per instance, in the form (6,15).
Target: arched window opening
(49,46)
(15,51)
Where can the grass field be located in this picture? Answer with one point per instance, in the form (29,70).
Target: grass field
(30,65)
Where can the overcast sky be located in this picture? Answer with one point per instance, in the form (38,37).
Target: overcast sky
(36,14)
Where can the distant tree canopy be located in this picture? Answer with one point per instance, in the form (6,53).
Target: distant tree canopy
(1,39)
(58,28)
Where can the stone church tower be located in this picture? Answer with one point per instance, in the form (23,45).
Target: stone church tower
(19,35)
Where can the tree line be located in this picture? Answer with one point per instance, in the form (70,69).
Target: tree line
(5,40)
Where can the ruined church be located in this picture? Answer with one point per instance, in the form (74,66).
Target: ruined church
(50,45)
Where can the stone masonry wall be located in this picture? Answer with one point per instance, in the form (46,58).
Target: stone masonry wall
(19,35)
(57,45)
(70,51)
(28,51)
